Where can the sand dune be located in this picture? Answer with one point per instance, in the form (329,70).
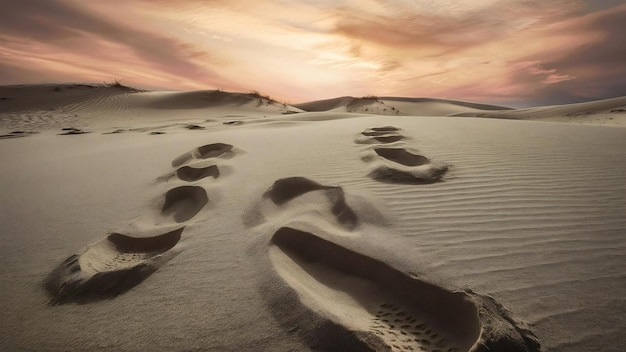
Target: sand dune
(207,221)
(606,112)
(48,106)
(364,105)
(436,107)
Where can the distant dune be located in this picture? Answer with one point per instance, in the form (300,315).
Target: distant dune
(215,221)
(608,111)
(365,105)
(436,107)
(395,106)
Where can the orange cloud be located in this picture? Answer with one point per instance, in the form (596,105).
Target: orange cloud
(501,51)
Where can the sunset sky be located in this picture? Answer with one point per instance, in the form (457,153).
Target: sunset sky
(509,52)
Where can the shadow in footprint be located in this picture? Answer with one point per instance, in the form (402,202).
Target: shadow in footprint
(384,129)
(389,139)
(375,133)
(383,307)
(184,202)
(214,150)
(109,268)
(410,177)
(289,188)
(401,156)
(190,174)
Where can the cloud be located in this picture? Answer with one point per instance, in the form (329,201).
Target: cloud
(67,27)
(451,27)
(486,50)
(592,70)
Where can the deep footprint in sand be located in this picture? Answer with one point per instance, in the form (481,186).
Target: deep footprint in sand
(385,309)
(402,156)
(189,173)
(184,202)
(110,267)
(286,190)
(359,303)
(215,150)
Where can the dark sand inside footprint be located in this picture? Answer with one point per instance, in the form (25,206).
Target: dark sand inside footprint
(385,308)
(184,202)
(411,177)
(389,139)
(191,174)
(385,129)
(378,133)
(286,189)
(213,150)
(402,156)
(109,267)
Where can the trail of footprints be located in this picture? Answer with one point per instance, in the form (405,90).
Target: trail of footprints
(404,332)
(119,262)
(394,162)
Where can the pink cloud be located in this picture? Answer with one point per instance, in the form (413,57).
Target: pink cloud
(487,50)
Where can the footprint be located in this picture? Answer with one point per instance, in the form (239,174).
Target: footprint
(289,188)
(110,267)
(187,172)
(184,202)
(427,175)
(397,164)
(190,174)
(382,307)
(322,199)
(385,135)
(385,129)
(378,135)
(194,173)
(401,156)
(16,134)
(215,150)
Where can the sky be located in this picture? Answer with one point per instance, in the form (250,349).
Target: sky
(508,52)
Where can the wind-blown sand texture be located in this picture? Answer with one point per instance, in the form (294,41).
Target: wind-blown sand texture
(267,227)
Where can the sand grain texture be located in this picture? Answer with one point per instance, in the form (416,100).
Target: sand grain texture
(270,228)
